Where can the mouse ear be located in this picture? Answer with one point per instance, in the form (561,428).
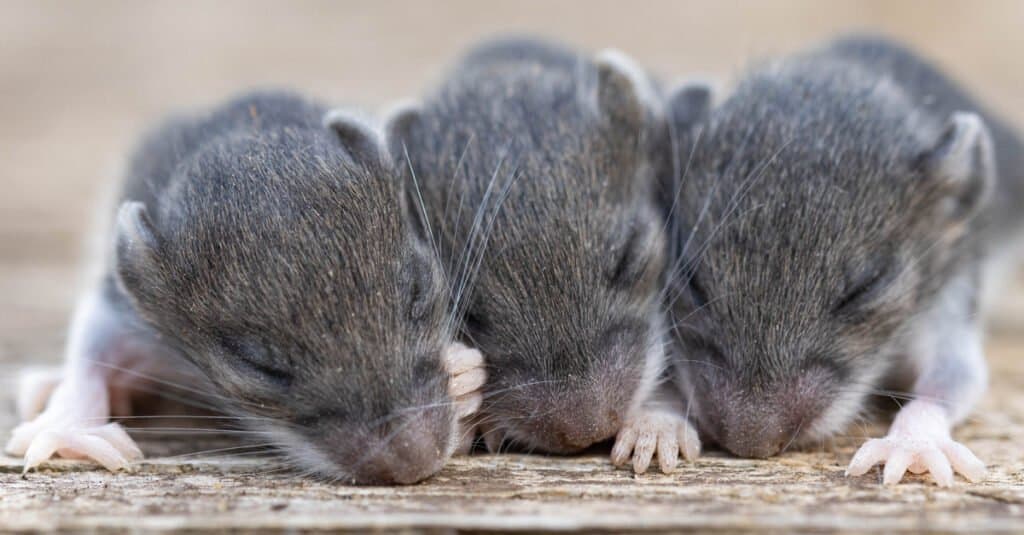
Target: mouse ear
(137,246)
(623,90)
(398,127)
(962,162)
(690,104)
(358,137)
(398,131)
(640,250)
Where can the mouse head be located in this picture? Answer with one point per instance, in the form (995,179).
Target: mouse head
(285,265)
(564,256)
(817,222)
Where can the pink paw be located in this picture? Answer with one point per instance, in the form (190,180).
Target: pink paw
(918,441)
(466,367)
(106,444)
(75,426)
(655,430)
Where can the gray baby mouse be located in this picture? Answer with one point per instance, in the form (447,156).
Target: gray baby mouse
(270,265)
(838,214)
(534,166)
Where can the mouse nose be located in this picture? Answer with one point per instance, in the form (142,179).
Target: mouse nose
(763,417)
(407,456)
(580,428)
(757,436)
(755,447)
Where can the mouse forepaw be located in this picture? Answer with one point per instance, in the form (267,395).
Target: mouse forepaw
(75,426)
(918,442)
(651,432)
(465,367)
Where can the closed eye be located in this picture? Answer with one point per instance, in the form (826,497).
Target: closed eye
(256,359)
(621,274)
(320,416)
(277,376)
(864,288)
(634,257)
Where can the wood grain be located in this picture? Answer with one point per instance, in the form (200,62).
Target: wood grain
(79,80)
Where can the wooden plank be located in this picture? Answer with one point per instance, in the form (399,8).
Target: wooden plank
(68,119)
(799,491)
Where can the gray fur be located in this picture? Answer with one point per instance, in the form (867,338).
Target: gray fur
(819,174)
(533,164)
(277,256)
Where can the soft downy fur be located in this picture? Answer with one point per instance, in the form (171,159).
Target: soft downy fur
(276,256)
(831,202)
(533,164)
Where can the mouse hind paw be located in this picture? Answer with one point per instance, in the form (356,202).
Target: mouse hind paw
(38,440)
(108,445)
(74,425)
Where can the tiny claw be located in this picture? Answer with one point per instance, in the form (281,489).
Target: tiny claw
(936,463)
(871,453)
(964,461)
(668,454)
(896,466)
(687,436)
(624,445)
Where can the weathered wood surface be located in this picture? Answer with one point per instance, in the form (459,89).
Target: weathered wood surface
(78,81)
(800,491)
(507,493)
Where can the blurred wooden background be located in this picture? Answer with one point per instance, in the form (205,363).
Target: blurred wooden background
(79,80)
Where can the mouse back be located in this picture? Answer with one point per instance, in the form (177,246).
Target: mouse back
(154,159)
(935,92)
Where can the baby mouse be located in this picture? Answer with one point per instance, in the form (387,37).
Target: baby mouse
(533,165)
(839,210)
(271,264)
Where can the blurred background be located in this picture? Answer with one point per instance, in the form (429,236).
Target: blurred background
(79,80)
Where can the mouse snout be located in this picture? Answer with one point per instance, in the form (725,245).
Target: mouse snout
(756,436)
(760,426)
(758,413)
(408,453)
(580,426)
